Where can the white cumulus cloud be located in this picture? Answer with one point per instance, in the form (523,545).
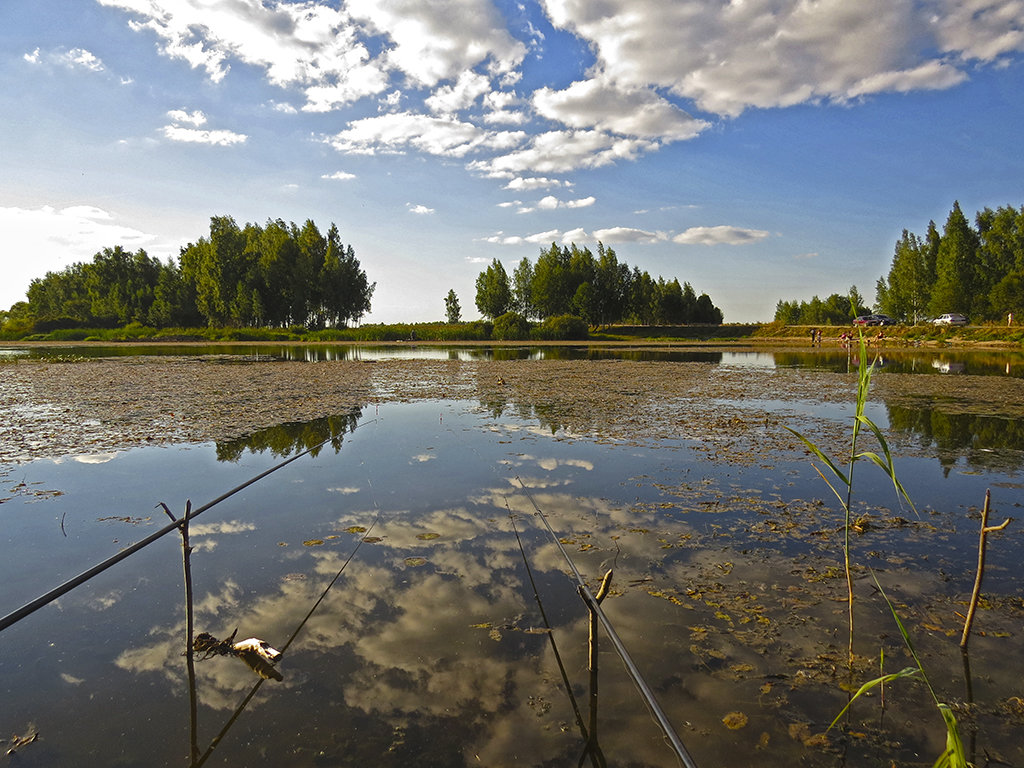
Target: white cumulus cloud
(400,132)
(564,151)
(633,111)
(439,41)
(196,118)
(730,56)
(551,203)
(48,239)
(220,138)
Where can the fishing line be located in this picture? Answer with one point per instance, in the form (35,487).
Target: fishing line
(547,624)
(634,672)
(43,600)
(245,702)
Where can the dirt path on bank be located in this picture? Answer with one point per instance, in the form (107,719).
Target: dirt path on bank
(53,409)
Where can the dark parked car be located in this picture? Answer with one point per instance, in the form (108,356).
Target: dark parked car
(874,320)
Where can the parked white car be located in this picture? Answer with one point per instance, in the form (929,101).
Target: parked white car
(951,318)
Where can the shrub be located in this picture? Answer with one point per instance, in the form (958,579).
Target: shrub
(562,328)
(69,334)
(255,334)
(47,324)
(511,327)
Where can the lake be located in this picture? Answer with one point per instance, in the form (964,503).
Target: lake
(427,616)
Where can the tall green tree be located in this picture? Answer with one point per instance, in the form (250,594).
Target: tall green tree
(553,287)
(213,267)
(955,267)
(837,309)
(1007,295)
(307,290)
(1000,254)
(452,310)
(707,312)
(347,290)
(611,287)
(585,303)
(642,298)
(493,292)
(522,289)
(906,294)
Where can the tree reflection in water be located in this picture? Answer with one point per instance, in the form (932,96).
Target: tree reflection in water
(284,439)
(984,442)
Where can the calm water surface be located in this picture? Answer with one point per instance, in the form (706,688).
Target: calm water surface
(434,647)
(833,357)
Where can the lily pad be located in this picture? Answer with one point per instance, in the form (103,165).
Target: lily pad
(735,720)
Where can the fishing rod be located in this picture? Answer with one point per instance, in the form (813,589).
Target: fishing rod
(631,668)
(31,607)
(549,628)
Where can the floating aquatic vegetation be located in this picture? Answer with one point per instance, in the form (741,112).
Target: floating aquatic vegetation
(735,720)
(16,742)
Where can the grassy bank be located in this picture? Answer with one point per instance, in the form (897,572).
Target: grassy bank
(911,334)
(484,332)
(554,329)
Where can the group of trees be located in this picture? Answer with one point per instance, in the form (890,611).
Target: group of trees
(600,289)
(977,271)
(116,288)
(271,276)
(834,310)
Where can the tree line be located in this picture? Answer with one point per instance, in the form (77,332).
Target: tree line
(276,275)
(598,288)
(977,271)
(837,309)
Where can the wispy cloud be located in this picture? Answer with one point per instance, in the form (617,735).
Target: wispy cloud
(720,235)
(419,210)
(190,118)
(551,203)
(73,58)
(401,132)
(339,176)
(533,182)
(220,138)
(541,238)
(627,235)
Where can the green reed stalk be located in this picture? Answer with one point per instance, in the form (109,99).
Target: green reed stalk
(954,755)
(864,372)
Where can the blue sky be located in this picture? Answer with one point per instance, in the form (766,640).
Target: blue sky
(759,149)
